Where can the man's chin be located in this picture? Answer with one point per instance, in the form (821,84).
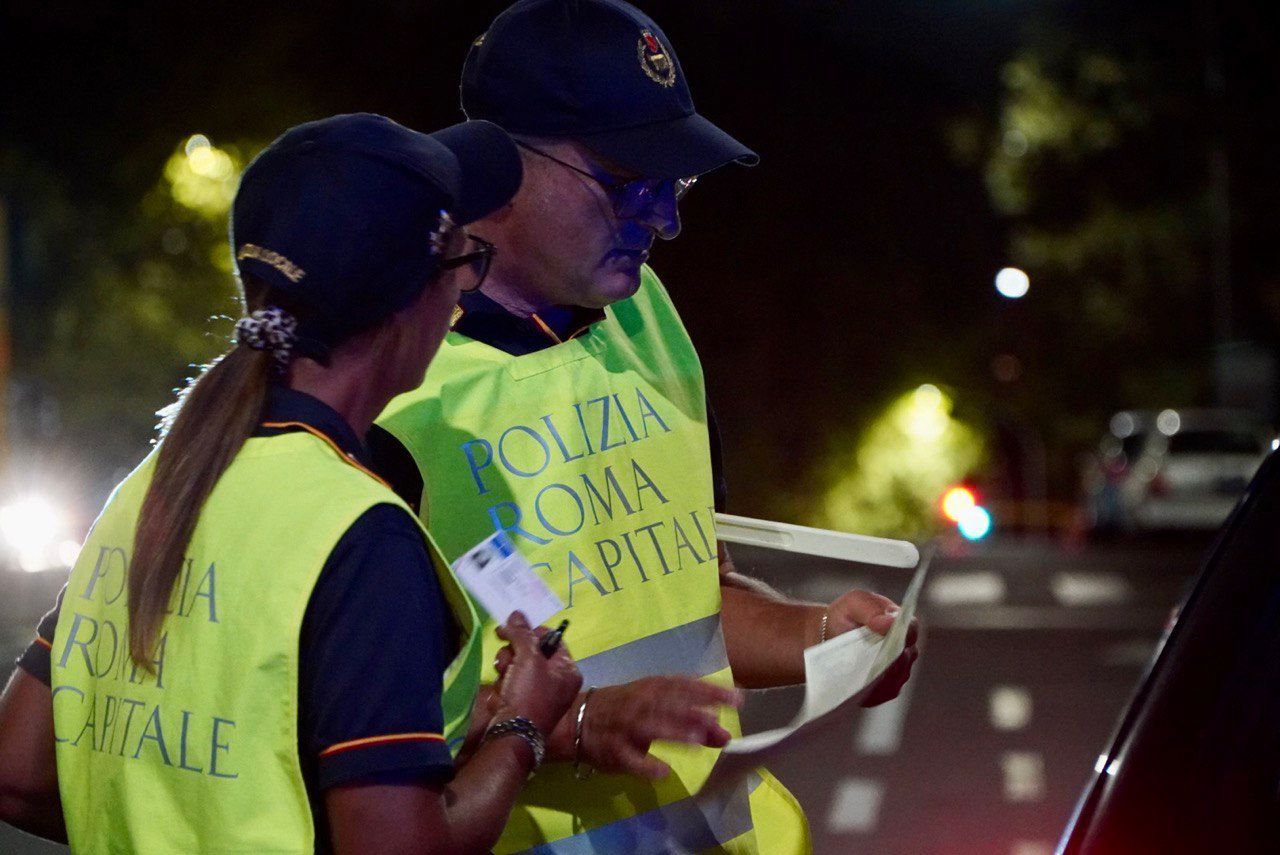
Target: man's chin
(616,285)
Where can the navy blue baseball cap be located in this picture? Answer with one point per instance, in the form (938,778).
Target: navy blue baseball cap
(600,71)
(336,216)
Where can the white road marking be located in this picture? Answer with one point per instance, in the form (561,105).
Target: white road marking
(1009,707)
(1026,618)
(954,589)
(1023,776)
(1089,589)
(880,731)
(855,808)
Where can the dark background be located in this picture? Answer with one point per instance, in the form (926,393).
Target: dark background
(853,264)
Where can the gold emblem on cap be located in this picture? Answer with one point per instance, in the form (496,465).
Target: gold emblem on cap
(291,271)
(654,59)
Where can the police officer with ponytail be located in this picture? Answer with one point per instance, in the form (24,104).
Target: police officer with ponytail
(260,649)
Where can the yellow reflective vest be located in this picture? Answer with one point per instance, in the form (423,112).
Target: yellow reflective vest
(593,454)
(203,756)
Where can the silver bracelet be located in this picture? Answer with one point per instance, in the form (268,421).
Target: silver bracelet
(578,765)
(526,730)
(822,633)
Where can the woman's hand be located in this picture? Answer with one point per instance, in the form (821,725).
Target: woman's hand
(468,813)
(529,684)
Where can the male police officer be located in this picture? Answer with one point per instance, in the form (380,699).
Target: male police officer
(568,408)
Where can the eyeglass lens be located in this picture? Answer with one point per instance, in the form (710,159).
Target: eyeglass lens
(635,197)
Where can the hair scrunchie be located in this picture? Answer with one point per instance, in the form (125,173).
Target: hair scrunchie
(271,329)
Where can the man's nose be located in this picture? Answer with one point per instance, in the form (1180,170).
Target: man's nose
(663,216)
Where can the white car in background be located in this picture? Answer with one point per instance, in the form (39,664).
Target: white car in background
(1173,469)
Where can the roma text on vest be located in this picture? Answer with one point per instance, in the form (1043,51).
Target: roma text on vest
(96,646)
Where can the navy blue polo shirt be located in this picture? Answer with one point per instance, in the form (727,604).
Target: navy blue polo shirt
(376,639)
(483,319)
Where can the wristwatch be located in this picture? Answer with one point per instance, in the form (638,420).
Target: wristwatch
(526,730)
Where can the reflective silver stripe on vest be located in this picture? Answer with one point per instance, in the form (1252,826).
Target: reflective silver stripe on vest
(681,828)
(693,650)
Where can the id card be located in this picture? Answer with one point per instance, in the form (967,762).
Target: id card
(503,581)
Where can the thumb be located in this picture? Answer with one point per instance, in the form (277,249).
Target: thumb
(881,623)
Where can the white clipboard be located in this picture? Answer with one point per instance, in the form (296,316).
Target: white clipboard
(817,541)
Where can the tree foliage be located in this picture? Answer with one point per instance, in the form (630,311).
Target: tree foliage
(115,309)
(1098,159)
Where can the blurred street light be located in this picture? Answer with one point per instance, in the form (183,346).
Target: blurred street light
(891,481)
(34,532)
(1012,283)
(957,502)
(1168,422)
(975,523)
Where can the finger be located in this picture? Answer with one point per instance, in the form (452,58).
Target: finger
(864,608)
(913,632)
(641,764)
(890,683)
(860,605)
(692,726)
(502,661)
(562,653)
(902,671)
(882,688)
(901,663)
(567,671)
(486,697)
(517,631)
(702,727)
(881,623)
(684,692)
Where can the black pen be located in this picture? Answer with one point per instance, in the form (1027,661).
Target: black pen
(551,641)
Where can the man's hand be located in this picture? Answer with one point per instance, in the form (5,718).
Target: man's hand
(863,608)
(621,723)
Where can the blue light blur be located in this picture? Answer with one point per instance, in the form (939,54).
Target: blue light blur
(975,524)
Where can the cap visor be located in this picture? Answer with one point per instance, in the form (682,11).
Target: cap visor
(489,164)
(673,149)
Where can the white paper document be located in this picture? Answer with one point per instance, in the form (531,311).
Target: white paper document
(838,670)
(503,581)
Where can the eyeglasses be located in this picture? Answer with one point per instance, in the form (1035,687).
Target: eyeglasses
(629,197)
(479,259)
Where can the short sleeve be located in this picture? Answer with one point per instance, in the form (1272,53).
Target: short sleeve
(376,639)
(36,659)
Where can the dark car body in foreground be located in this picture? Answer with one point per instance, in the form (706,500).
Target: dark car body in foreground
(1195,762)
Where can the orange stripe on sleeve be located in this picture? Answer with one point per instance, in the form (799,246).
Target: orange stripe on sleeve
(44,642)
(371,741)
